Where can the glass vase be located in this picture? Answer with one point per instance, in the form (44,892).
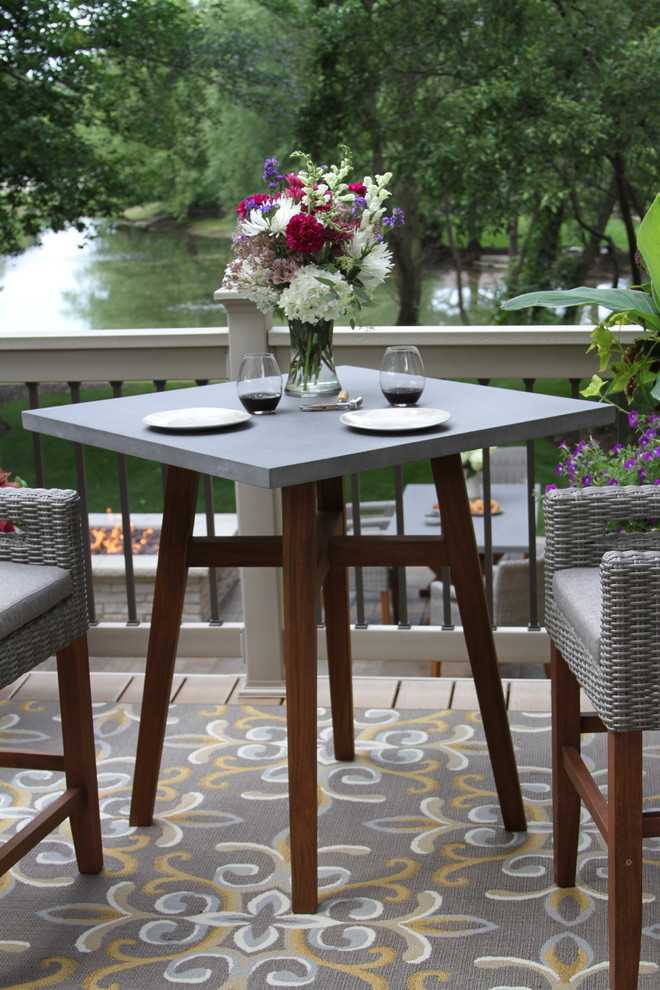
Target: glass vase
(312,369)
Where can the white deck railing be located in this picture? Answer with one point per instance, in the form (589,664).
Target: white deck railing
(485,352)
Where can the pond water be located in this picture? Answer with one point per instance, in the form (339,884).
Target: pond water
(123,277)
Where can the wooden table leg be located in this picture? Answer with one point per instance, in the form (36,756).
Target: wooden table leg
(467,579)
(338,632)
(299,575)
(169,592)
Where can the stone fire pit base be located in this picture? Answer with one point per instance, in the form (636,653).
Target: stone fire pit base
(110,580)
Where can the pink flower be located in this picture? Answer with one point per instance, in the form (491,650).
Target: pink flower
(245,205)
(305,234)
(296,188)
(4,475)
(5,525)
(358,188)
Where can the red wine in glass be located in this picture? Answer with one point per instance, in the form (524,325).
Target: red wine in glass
(402,396)
(260,402)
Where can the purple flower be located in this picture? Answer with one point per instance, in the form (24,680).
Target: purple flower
(586,480)
(617,447)
(630,463)
(396,220)
(359,203)
(271,172)
(633,418)
(613,481)
(548,488)
(559,469)
(649,455)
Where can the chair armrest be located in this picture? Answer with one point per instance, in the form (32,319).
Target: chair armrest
(50,527)
(630,619)
(576,523)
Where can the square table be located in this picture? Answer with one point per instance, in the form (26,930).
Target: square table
(307,455)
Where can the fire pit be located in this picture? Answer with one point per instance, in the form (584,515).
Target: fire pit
(107,545)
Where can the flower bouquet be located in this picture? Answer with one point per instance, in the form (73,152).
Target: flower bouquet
(634,368)
(313,249)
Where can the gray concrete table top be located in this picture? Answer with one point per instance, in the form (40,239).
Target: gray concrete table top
(293,447)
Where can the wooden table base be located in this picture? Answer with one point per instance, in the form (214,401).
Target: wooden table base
(314,553)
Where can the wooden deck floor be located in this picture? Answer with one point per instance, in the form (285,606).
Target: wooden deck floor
(523,694)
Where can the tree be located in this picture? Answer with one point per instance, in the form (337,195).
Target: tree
(494,111)
(97,108)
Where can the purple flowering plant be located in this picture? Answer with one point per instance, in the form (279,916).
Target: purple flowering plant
(636,462)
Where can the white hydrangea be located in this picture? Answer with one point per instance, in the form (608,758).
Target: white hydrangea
(310,300)
(254,283)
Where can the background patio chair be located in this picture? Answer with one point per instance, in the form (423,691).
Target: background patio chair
(43,611)
(603,616)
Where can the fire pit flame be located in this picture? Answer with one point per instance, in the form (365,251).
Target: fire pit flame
(110,539)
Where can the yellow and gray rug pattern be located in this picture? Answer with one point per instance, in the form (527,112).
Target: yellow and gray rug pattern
(419,884)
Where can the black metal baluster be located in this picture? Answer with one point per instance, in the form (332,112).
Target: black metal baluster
(126,526)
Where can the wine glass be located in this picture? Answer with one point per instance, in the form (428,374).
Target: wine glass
(259,383)
(402,376)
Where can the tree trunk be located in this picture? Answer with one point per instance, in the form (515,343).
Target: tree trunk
(406,248)
(626,216)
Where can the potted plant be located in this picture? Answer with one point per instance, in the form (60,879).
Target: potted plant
(634,369)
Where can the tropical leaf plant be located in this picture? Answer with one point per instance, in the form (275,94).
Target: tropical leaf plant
(633,368)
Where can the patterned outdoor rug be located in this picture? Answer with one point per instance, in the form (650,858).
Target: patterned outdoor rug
(419,884)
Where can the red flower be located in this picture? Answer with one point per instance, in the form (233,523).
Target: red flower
(250,203)
(358,188)
(305,234)
(345,233)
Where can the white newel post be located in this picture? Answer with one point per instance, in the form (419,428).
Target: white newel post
(259,514)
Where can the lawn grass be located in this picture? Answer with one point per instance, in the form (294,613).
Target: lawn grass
(145,479)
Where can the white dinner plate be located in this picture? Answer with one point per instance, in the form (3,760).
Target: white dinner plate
(395,420)
(201,418)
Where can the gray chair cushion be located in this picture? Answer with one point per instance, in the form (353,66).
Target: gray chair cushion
(578,596)
(29,590)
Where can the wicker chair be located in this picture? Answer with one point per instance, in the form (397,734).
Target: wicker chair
(43,611)
(603,616)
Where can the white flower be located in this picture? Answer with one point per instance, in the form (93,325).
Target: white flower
(310,300)
(274,221)
(473,460)
(374,258)
(253,281)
